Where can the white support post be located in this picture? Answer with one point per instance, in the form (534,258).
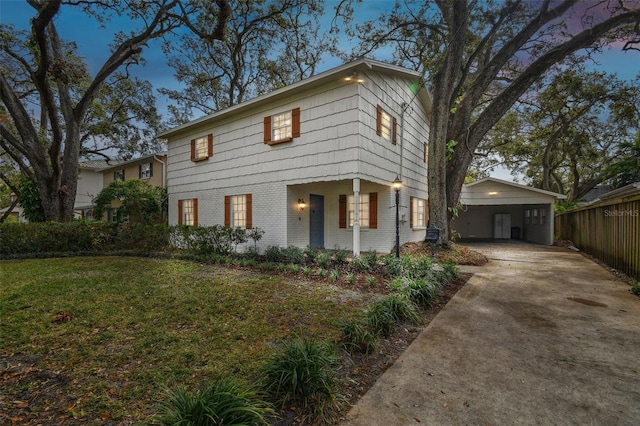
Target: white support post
(356,217)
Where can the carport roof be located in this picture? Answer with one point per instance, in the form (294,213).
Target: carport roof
(517,185)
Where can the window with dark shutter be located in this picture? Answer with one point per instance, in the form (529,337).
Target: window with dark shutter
(202,148)
(281,128)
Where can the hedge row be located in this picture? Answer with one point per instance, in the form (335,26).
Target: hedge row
(80,236)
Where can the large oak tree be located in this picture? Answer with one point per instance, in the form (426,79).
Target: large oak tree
(48,95)
(479,58)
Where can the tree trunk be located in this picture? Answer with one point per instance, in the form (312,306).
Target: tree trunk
(444,83)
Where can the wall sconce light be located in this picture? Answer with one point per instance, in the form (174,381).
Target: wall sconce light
(301,204)
(493,193)
(354,78)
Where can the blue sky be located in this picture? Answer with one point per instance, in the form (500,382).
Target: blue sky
(93,41)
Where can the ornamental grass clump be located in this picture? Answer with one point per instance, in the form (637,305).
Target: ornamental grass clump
(224,402)
(357,337)
(303,373)
(385,313)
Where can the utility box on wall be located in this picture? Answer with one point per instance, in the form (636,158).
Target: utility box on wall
(502,226)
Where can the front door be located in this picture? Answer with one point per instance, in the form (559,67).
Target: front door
(316,221)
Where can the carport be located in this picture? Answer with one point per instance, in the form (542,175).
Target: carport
(495,209)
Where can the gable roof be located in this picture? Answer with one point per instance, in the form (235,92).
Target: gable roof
(120,164)
(343,71)
(94,164)
(517,185)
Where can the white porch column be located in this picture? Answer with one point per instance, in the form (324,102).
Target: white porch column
(356,217)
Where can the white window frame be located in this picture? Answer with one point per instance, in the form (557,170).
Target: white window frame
(282,126)
(145,170)
(419,211)
(188,216)
(386,123)
(238,211)
(201,147)
(363,209)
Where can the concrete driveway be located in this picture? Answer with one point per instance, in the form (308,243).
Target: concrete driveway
(538,336)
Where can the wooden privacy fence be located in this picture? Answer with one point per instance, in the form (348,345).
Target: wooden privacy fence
(608,230)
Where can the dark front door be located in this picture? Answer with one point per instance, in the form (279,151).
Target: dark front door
(316,220)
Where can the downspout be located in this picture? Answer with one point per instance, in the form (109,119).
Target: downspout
(164,170)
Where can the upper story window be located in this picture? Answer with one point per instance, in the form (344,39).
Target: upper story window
(145,170)
(118,175)
(202,147)
(282,127)
(386,125)
(418,213)
(238,211)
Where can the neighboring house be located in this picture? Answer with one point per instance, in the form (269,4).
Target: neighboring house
(89,186)
(312,163)
(498,209)
(151,168)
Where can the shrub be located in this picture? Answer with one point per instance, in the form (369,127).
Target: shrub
(274,254)
(417,267)
(356,337)
(359,264)
(207,239)
(341,255)
(223,402)
(294,255)
(323,259)
(334,275)
(310,254)
(304,373)
(392,266)
(636,289)
(370,259)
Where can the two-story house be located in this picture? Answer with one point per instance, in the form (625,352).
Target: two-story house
(311,163)
(89,186)
(151,168)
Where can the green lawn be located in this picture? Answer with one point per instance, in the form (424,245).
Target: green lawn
(139,325)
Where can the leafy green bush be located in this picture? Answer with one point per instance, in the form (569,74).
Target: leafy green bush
(225,402)
(359,264)
(310,254)
(323,259)
(207,239)
(341,255)
(303,372)
(636,289)
(357,337)
(274,254)
(294,255)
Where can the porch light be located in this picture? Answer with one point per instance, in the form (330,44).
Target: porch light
(301,204)
(493,193)
(397,184)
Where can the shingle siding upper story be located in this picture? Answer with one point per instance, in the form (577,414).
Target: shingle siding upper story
(340,141)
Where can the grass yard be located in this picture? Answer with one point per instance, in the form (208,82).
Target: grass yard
(91,340)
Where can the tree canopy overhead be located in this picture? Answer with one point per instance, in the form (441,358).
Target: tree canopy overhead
(479,58)
(53,109)
(570,135)
(267,45)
